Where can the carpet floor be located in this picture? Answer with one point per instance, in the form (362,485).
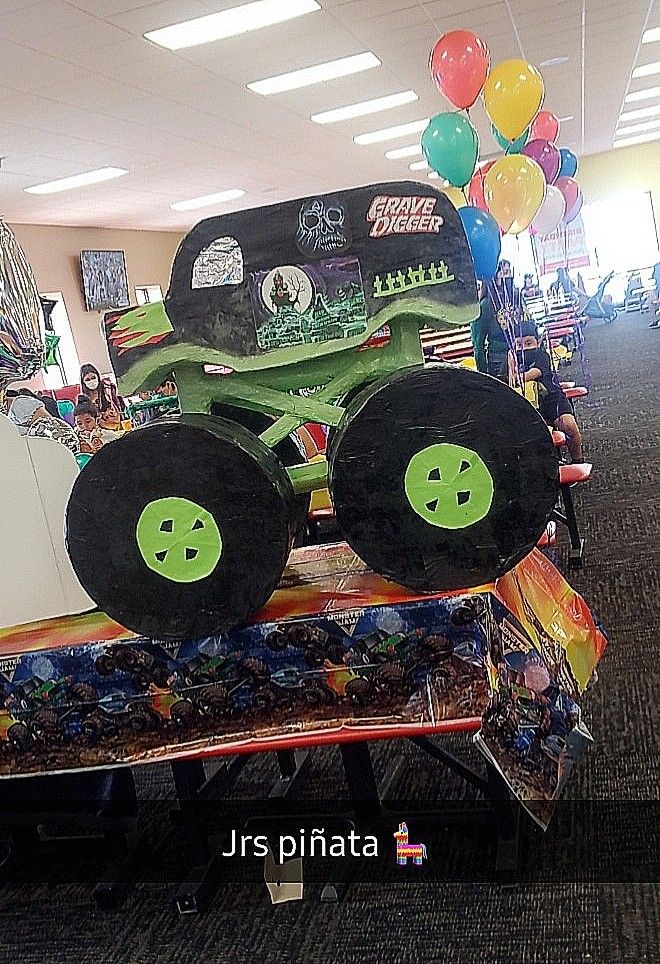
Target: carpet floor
(440,922)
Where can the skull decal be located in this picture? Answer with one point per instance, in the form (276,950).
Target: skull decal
(322,228)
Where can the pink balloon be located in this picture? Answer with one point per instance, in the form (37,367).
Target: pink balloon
(546,156)
(571,191)
(545,125)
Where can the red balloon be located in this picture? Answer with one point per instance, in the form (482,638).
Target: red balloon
(545,126)
(571,191)
(476,187)
(459,65)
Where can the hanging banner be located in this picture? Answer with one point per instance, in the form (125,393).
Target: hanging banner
(564,248)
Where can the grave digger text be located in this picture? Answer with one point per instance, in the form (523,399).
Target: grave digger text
(403,215)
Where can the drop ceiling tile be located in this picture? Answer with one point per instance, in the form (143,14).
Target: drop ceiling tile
(69,43)
(140,18)
(43,19)
(110,8)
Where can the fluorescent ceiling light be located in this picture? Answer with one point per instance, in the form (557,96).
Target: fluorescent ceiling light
(646,70)
(651,36)
(366,107)
(400,152)
(640,113)
(638,128)
(77,180)
(419,166)
(230,23)
(554,62)
(639,139)
(391,133)
(207,200)
(315,75)
(642,94)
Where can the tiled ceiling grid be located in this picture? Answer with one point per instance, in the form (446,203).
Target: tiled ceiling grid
(81,88)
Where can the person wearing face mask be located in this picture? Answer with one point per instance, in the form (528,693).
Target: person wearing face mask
(103,396)
(534,363)
(31,418)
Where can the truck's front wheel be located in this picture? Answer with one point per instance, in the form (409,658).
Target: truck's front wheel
(181,529)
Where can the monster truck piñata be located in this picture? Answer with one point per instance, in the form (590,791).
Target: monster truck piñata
(441,478)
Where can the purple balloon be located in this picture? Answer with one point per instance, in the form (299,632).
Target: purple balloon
(546,156)
(574,210)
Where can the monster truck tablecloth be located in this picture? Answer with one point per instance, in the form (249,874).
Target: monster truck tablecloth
(338,653)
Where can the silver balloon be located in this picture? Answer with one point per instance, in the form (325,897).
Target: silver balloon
(21,315)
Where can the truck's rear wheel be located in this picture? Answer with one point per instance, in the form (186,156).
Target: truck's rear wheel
(442,478)
(289,451)
(181,529)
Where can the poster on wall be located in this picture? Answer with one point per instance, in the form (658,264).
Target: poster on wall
(105,282)
(564,248)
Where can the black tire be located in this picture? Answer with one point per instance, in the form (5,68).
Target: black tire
(315,658)
(84,693)
(263,698)
(161,676)
(345,401)
(257,671)
(183,713)
(45,724)
(105,664)
(390,679)
(18,736)
(381,454)
(467,613)
(91,728)
(276,641)
(212,699)
(316,694)
(141,681)
(126,658)
(141,718)
(227,481)
(359,691)
(438,646)
(287,451)
(335,652)
(302,635)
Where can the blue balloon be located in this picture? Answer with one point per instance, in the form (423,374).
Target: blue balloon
(569,163)
(485,240)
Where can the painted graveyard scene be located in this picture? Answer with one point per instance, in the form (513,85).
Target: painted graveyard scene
(307,304)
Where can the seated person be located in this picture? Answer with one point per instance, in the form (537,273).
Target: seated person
(88,429)
(530,289)
(31,418)
(634,285)
(553,404)
(103,395)
(47,401)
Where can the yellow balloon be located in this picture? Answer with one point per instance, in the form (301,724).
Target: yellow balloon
(513,95)
(514,189)
(456,197)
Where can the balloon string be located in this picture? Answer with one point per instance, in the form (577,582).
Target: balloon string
(506,310)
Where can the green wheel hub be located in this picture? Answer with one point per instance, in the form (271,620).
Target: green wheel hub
(179,539)
(449,486)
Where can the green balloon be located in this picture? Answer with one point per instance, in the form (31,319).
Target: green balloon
(451,146)
(510,147)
